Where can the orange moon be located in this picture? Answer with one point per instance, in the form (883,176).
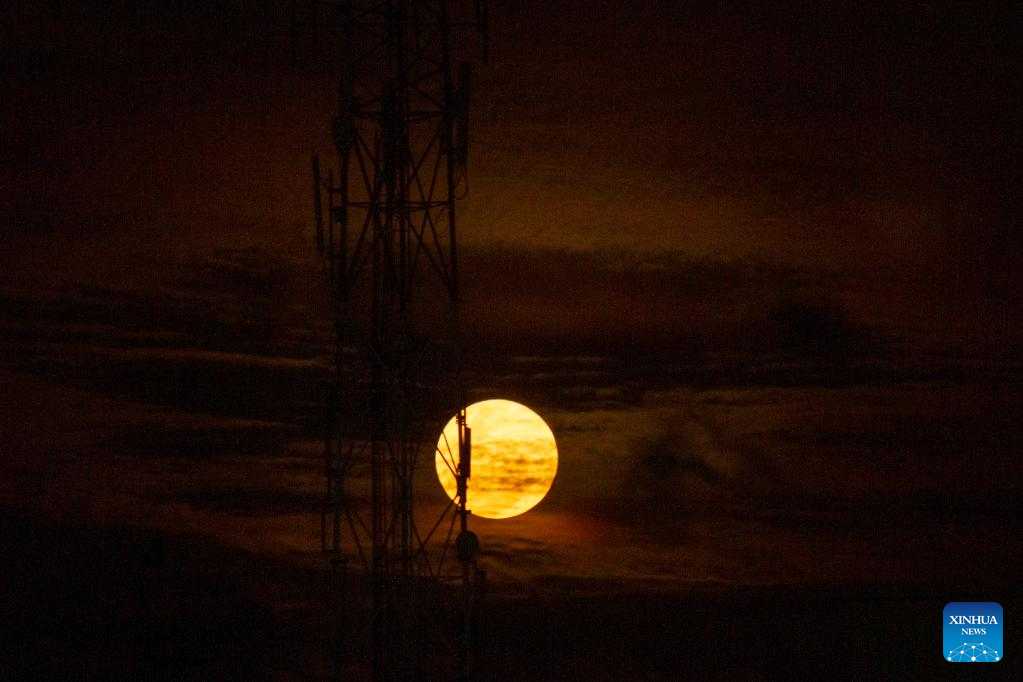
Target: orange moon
(514,458)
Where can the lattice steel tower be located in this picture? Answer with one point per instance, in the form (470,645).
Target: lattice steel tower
(386,229)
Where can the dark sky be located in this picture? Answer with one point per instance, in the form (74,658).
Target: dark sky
(758,267)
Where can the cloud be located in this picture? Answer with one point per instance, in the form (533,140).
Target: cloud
(681,463)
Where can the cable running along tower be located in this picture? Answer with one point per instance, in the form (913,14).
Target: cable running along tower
(386,230)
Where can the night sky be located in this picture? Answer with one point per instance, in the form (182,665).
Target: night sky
(758,267)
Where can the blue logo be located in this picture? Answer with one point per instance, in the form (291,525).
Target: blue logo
(972,632)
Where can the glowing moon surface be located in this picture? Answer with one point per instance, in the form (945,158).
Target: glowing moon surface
(514,458)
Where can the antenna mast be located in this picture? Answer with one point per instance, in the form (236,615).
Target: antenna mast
(386,230)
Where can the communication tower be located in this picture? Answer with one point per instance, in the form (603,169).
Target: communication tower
(386,231)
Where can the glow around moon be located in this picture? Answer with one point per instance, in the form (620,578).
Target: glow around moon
(514,458)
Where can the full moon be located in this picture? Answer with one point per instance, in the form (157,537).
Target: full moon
(514,458)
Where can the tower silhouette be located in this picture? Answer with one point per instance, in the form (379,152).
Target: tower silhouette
(386,231)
